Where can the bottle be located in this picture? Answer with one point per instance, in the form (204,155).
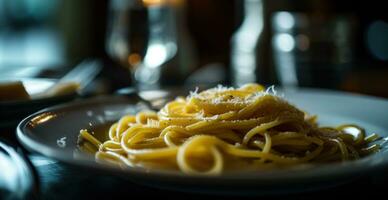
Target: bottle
(245,67)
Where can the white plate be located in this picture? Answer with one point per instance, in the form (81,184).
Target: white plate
(40,132)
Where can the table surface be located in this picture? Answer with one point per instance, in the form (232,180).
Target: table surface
(61,181)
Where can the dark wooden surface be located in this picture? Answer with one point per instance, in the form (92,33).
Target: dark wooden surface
(60,181)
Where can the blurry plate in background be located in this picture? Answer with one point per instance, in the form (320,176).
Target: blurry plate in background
(14,111)
(41,132)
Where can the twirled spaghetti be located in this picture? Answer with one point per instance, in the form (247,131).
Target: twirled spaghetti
(226,128)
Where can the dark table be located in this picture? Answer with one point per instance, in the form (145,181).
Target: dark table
(61,181)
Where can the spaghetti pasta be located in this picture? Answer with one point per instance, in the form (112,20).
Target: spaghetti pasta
(226,128)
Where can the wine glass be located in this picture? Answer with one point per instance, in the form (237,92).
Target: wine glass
(149,37)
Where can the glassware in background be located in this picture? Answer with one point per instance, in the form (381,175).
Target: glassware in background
(312,50)
(245,44)
(149,37)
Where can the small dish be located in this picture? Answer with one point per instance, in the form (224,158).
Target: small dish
(12,112)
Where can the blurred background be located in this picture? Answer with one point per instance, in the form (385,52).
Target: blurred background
(331,44)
